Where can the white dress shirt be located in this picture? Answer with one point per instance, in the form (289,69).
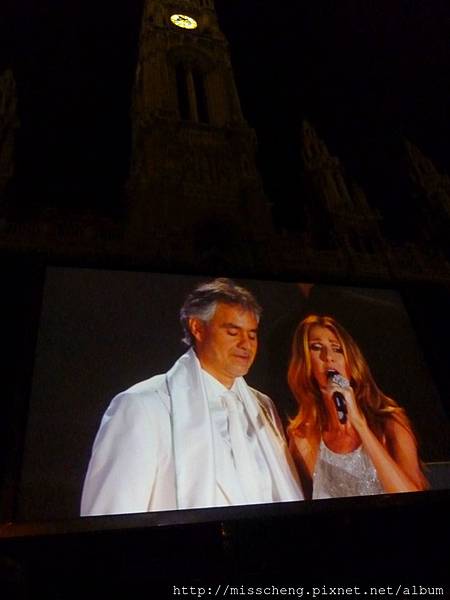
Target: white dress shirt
(243,474)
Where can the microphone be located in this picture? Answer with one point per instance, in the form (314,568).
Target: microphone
(339,400)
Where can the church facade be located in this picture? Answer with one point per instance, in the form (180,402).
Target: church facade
(194,195)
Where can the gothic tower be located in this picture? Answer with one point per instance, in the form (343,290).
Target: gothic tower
(193,155)
(338,214)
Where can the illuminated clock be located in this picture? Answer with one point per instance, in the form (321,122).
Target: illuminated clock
(184,21)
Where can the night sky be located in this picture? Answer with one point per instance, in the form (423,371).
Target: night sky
(365,73)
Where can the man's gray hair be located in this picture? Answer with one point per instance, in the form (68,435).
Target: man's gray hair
(202,303)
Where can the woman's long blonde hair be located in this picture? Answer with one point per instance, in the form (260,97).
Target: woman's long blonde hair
(312,416)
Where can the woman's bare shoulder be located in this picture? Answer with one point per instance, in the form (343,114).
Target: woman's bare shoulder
(304,444)
(304,438)
(397,427)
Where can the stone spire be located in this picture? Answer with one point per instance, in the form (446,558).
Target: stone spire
(338,213)
(431,192)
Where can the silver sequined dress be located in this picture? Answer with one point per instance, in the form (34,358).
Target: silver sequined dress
(350,474)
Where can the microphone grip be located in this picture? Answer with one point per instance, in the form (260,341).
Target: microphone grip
(341,407)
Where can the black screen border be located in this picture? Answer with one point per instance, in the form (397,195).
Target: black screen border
(27,277)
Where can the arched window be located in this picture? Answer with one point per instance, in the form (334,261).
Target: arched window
(191,93)
(200,96)
(182,92)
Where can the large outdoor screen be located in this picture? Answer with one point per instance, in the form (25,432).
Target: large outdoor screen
(101,332)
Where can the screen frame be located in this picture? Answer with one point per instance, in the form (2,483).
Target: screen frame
(32,273)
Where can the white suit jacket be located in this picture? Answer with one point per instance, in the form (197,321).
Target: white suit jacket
(154,448)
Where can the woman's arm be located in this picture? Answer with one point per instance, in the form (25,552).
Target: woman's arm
(396,462)
(304,453)
(403,448)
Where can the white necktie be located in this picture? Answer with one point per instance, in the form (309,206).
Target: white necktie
(242,449)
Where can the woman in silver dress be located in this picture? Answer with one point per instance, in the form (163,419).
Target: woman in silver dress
(348,438)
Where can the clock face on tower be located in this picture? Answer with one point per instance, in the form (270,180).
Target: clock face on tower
(183,21)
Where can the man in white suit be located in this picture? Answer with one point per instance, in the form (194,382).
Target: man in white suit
(198,435)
